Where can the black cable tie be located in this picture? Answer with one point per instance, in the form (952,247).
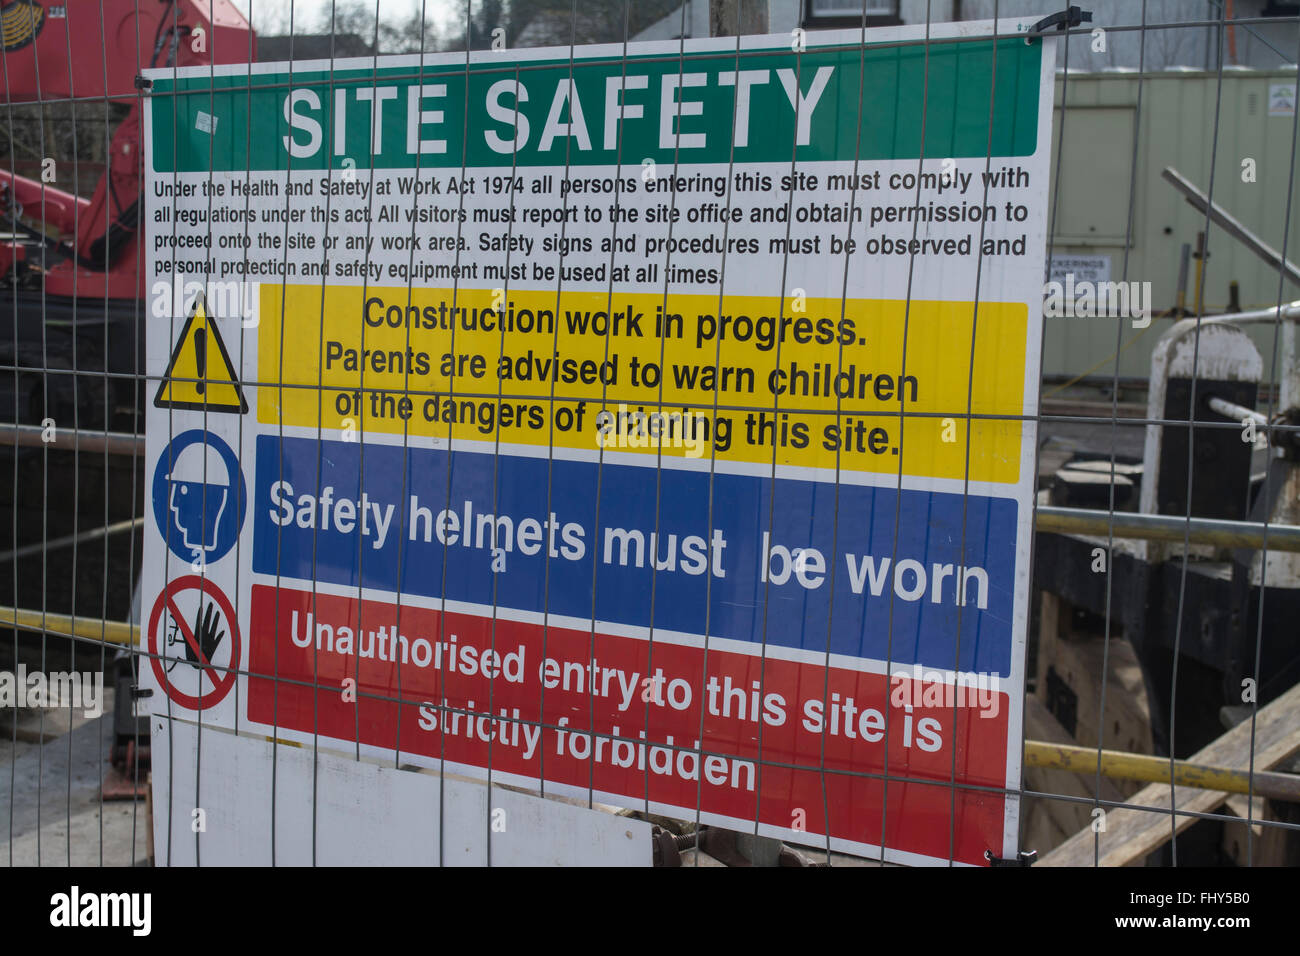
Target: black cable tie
(142,83)
(137,691)
(1023,858)
(1061,20)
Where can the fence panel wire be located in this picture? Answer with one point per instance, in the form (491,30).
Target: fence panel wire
(77,478)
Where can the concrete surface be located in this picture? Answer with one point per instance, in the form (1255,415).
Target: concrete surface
(51,813)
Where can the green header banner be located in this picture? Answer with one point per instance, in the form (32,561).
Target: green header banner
(763,106)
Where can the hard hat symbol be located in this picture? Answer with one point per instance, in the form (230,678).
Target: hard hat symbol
(198,491)
(199,496)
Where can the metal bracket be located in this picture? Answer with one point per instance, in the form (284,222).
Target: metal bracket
(1061,20)
(1023,858)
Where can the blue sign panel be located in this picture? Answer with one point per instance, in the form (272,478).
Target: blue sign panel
(907,577)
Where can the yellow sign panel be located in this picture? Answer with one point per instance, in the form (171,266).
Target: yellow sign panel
(200,375)
(816,383)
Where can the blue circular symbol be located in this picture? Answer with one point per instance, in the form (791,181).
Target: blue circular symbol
(199,497)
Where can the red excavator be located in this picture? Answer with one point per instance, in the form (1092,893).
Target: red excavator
(72,289)
(68,263)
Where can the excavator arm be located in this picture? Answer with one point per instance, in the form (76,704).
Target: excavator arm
(91,51)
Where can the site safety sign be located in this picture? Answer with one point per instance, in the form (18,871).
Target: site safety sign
(653,421)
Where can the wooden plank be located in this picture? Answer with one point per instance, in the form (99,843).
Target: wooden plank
(1268,846)
(1075,657)
(1048,823)
(1132,834)
(1083,408)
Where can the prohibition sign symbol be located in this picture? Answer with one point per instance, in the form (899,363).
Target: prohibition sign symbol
(221,682)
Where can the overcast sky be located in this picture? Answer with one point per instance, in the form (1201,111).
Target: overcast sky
(271,17)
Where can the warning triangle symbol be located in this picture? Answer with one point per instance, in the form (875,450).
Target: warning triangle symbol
(200,375)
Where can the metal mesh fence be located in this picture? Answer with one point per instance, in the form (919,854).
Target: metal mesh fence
(344,302)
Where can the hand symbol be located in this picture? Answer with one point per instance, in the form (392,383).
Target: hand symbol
(206,634)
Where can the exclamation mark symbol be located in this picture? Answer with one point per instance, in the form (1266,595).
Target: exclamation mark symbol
(201,356)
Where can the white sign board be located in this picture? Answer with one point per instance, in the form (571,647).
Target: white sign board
(655,421)
(332,810)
